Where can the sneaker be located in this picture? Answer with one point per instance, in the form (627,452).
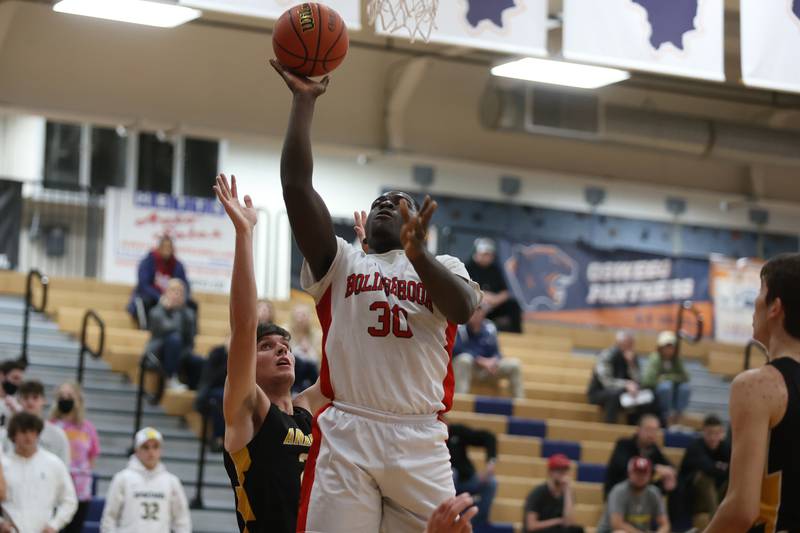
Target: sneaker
(176,386)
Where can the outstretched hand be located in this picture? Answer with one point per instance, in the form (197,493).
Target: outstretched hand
(300,85)
(414,234)
(453,516)
(360,227)
(244,217)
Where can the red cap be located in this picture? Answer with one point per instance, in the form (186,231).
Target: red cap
(558,461)
(639,464)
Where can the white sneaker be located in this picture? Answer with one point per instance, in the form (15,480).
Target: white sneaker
(176,386)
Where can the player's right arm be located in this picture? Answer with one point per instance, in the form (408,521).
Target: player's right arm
(242,399)
(755,404)
(308,215)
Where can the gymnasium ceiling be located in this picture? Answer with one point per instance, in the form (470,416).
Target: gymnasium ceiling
(211,75)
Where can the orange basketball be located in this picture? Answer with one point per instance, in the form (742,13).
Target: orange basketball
(310,39)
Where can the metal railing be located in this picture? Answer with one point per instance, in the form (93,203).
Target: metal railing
(749,349)
(29,306)
(96,354)
(197,501)
(680,335)
(148,363)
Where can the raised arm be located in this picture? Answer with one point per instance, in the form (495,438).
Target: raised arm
(308,215)
(242,398)
(451,294)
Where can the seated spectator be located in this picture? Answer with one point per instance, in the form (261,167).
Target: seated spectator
(52,438)
(172,328)
(12,374)
(306,341)
(211,389)
(550,507)
(634,504)
(615,374)
(144,496)
(643,444)
(484,485)
(154,273)
(704,471)
(265,311)
(478,356)
(485,270)
(40,497)
(69,414)
(665,374)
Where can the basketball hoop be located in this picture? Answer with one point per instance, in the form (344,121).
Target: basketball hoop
(418,17)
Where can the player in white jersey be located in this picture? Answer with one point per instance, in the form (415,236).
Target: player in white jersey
(389,319)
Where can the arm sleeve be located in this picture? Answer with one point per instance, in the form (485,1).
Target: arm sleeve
(181,519)
(492,346)
(113,506)
(67,502)
(317,287)
(605,372)
(454,265)
(696,459)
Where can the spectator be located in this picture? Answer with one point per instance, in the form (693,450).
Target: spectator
(12,374)
(704,471)
(549,508)
(52,438)
(69,414)
(211,390)
(478,356)
(40,497)
(466,478)
(155,271)
(172,328)
(634,504)
(643,444)
(306,344)
(665,374)
(265,311)
(616,374)
(484,269)
(144,496)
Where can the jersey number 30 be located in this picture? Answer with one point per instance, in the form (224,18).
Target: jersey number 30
(390,321)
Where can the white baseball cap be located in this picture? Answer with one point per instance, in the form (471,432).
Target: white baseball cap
(484,245)
(666,338)
(146,434)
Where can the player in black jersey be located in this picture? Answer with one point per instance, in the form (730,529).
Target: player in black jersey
(764,488)
(267,435)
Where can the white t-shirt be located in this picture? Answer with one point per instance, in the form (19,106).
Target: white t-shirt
(385,345)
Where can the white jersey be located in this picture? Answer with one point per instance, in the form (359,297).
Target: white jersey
(385,345)
(145,501)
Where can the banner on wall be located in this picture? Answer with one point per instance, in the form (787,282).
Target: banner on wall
(734,285)
(677,37)
(10,222)
(511,26)
(770,43)
(204,237)
(582,285)
(350,10)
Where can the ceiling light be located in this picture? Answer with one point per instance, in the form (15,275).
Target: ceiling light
(560,73)
(149,13)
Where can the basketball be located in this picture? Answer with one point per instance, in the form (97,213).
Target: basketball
(310,39)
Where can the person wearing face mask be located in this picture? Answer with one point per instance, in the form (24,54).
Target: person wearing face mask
(144,496)
(68,413)
(12,373)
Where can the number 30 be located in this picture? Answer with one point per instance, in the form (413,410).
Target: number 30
(389,321)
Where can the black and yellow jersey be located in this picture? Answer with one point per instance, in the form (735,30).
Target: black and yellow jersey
(780,490)
(265,474)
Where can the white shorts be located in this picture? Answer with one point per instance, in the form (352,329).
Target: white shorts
(369,471)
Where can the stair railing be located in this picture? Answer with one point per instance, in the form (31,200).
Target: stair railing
(30,306)
(85,348)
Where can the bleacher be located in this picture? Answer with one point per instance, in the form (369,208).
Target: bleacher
(553,417)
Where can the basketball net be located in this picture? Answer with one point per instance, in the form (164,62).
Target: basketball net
(418,17)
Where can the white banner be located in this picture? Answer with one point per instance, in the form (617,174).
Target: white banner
(512,26)
(678,37)
(771,44)
(734,287)
(203,235)
(350,10)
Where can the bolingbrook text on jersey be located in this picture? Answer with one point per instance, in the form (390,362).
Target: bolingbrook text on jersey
(413,291)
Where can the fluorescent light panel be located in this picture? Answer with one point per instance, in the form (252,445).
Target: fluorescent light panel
(560,73)
(162,15)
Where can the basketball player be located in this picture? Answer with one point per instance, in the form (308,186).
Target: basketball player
(267,436)
(389,319)
(764,487)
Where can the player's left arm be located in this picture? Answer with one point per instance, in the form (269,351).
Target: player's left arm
(754,395)
(451,294)
(311,399)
